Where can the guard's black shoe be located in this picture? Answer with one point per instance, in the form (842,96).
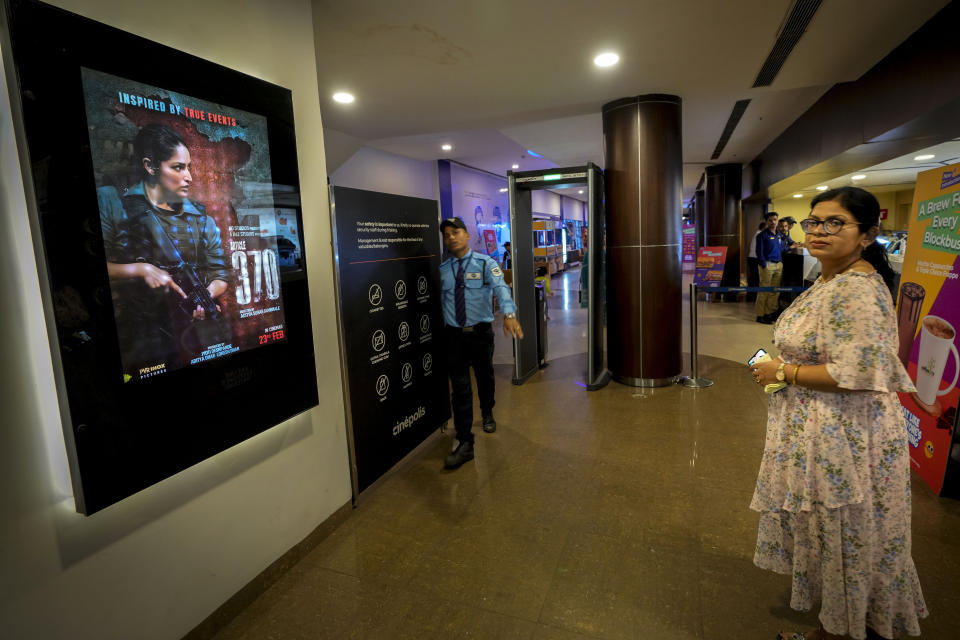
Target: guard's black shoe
(489,424)
(463,453)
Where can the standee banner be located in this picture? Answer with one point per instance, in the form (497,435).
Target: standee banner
(388,255)
(689,243)
(710,261)
(928,315)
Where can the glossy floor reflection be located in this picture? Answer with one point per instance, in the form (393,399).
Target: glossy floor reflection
(616,514)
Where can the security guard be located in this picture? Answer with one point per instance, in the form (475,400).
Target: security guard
(467,281)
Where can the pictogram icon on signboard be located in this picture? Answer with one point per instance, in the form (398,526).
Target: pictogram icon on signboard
(375,294)
(383,383)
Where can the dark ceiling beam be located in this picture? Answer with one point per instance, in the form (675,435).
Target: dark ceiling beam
(903,103)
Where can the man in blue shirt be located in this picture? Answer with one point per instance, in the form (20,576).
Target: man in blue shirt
(771,268)
(468,280)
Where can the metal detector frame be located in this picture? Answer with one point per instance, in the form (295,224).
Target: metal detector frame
(519,186)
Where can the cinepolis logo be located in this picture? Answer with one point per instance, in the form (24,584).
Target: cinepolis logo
(408,421)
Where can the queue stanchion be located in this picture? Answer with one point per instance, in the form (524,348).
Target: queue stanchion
(694,381)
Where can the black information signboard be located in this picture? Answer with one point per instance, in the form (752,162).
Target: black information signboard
(388,258)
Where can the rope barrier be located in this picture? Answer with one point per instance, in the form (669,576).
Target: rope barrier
(707,289)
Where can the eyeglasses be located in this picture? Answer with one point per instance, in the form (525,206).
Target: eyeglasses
(831,226)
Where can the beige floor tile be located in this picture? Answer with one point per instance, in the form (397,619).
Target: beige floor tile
(622,513)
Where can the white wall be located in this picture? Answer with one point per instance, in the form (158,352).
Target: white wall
(376,170)
(156,564)
(545,202)
(574,209)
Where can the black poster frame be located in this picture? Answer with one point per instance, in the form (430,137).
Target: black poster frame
(122,438)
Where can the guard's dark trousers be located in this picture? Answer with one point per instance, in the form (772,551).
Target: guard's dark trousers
(465,347)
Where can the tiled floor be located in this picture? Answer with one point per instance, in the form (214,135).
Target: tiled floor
(615,514)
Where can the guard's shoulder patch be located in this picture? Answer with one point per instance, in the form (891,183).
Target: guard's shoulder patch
(496,270)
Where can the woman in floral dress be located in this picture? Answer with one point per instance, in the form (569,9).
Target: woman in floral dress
(833,489)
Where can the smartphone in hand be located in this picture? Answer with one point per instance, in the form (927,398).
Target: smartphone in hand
(758,357)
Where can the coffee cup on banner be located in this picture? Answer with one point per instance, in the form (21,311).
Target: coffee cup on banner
(936,345)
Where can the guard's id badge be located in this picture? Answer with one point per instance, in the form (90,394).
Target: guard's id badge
(474,276)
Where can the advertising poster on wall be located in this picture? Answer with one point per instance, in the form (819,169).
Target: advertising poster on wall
(193,243)
(388,257)
(928,315)
(710,261)
(689,245)
(480,200)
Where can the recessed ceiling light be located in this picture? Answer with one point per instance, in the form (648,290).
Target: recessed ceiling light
(581,191)
(343,97)
(798,195)
(516,166)
(446,147)
(925,156)
(859,176)
(503,190)
(607,59)
(822,187)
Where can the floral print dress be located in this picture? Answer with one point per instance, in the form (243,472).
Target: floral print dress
(833,489)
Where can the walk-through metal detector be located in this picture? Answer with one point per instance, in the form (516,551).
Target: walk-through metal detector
(520,184)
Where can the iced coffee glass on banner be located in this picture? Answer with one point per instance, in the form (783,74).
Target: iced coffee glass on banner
(936,344)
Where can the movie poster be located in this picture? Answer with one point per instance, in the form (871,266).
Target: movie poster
(709,271)
(928,315)
(193,242)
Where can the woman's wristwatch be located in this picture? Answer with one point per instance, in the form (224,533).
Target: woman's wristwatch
(781,376)
(510,316)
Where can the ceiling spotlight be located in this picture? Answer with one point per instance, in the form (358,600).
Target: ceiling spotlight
(503,190)
(925,156)
(343,97)
(516,166)
(446,147)
(606,59)
(822,187)
(859,176)
(798,195)
(581,191)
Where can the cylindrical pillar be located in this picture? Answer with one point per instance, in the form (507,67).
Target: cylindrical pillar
(723,216)
(644,183)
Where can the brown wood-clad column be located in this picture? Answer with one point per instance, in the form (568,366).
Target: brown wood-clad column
(644,180)
(723,216)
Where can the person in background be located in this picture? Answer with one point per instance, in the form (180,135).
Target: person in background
(753,266)
(468,281)
(543,277)
(833,490)
(507,256)
(792,274)
(783,233)
(771,268)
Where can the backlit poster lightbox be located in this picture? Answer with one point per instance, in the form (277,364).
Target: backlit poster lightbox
(164,191)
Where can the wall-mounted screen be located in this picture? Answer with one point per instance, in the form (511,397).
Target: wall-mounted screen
(165,194)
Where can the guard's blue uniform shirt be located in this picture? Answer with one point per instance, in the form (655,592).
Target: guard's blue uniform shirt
(481,277)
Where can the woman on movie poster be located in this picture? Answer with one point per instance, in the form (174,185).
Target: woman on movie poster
(189,228)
